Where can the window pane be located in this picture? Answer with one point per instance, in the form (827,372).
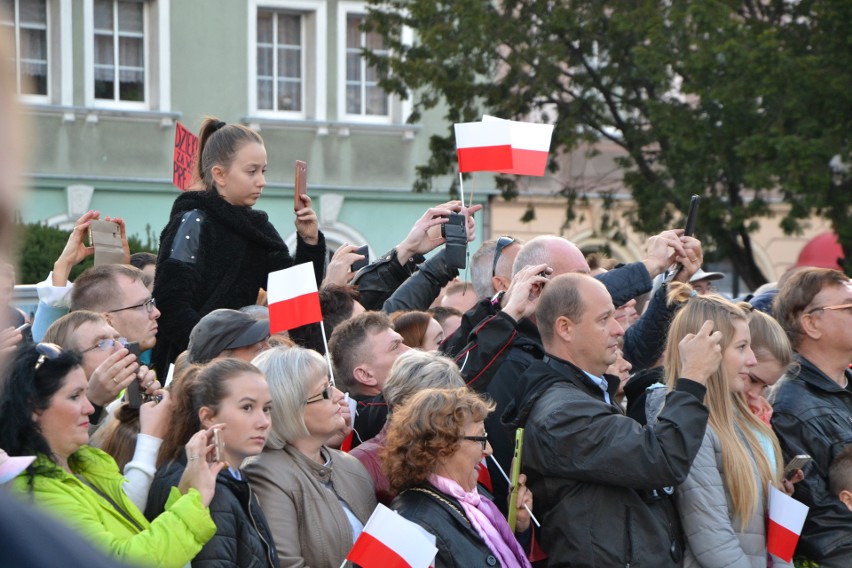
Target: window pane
(34,45)
(34,78)
(264,94)
(289,63)
(104,86)
(103,14)
(353,66)
(264,27)
(353,31)
(130,18)
(33,12)
(131,85)
(377,101)
(103,50)
(7,12)
(264,61)
(375,41)
(289,29)
(289,95)
(131,52)
(353,99)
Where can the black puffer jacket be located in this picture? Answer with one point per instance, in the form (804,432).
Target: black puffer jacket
(594,471)
(458,543)
(215,255)
(813,415)
(242,538)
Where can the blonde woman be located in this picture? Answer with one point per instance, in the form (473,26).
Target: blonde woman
(722,504)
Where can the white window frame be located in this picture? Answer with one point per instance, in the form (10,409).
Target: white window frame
(157,15)
(49,28)
(314,14)
(346,8)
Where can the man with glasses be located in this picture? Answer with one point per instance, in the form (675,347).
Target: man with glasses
(812,411)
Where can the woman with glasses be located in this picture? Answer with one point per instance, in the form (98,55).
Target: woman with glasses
(46,413)
(233,396)
(436,443)
(315,499)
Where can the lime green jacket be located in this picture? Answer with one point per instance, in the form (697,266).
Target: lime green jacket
(172,539)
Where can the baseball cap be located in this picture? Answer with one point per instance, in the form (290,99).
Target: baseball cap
(701,275)
(224,329)
(10,467)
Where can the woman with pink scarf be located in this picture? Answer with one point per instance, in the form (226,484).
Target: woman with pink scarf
(436,444)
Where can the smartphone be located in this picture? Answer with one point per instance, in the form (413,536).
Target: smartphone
(133,394)
(359,264)
(301,186)
(23,328)
(218,446)
(134,348)
(798,462)
(691,216)
(105,236)
(455,233)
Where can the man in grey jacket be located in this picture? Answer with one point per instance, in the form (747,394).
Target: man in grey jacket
(599,477)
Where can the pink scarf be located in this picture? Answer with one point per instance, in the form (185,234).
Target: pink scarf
(488,522)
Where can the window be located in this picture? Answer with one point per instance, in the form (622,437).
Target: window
(364,96)
(119,35)
(27,23)
(287,58)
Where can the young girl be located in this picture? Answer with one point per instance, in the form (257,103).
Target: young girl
(233,396)
(723,502)
(217,251)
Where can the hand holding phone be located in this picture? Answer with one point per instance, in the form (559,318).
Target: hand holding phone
(798,462)
(105,237)
(218,446)
(689,230)
(301,185)
(359,264)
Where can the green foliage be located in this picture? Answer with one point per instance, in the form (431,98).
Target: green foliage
(40,246)
(741,102)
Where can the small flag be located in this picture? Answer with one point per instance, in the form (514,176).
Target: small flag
(483,146)
(786,518)
(293,298)
(391,541)
(530,146)
(186,146)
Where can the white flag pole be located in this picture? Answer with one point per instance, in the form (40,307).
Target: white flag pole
(327,355)
(461,188)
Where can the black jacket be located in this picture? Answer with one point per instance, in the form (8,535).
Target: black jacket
(380,279)
(242,538)
(458,543)
(813,415)
(594,471)
(372,413)
(215,255)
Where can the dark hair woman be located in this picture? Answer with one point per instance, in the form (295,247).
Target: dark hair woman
(216,250)
(46,413)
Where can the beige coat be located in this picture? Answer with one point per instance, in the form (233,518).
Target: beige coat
(307,521)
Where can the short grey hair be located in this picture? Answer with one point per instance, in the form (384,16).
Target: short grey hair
(561,297)
(290,373)
(533,253)
(480,268)
(415,371)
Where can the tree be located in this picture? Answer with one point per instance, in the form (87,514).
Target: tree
(738,101)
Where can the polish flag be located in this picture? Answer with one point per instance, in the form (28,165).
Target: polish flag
(483,146)
(786,518)
(293,298)
(391,541)
(530,146)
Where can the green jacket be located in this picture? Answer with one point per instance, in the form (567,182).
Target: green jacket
(172,539)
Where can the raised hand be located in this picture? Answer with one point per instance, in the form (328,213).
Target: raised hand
(700,353)
(306,222)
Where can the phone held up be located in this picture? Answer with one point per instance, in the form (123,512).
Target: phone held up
(359,264)
(798,462)
(689,230)
(105,236)
(455,233)
(301,184)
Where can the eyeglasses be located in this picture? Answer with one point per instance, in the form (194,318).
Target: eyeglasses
(324,395)
(107,344)
(847,307)
(46,351)
(481,439)
(502,243)
(149,305)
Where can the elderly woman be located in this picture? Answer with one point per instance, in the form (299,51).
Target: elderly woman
(46,414)
(435,446)
(316,499)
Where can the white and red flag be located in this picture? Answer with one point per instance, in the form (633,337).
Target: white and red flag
(530,146)
(391,541)
(293,298)
(786,518)
(483,146)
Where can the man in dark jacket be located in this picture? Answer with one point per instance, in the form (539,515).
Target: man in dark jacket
(595,473)
(813,406)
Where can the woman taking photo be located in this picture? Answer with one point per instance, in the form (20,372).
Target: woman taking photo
(723,502)
(45,413)
(232,396)
(435,446)
(216,250)
(316,499)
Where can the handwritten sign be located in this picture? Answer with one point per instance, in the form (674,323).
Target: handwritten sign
(186,146)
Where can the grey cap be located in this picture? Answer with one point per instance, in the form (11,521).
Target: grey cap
(701,275)
(224,329)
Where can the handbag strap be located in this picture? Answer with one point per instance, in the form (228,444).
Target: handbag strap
(110,500)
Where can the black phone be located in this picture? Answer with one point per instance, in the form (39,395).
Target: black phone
(455,232)
(691,216)
(134,393)
(359,264)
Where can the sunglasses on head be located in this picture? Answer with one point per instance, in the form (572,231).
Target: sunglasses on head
(46,351)
(502,243)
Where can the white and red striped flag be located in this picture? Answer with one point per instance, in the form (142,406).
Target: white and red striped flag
(293,298)
(786,518)
(530,146)
(391,541)
(483,146)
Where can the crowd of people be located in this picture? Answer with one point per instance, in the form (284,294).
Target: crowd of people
(167,427)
